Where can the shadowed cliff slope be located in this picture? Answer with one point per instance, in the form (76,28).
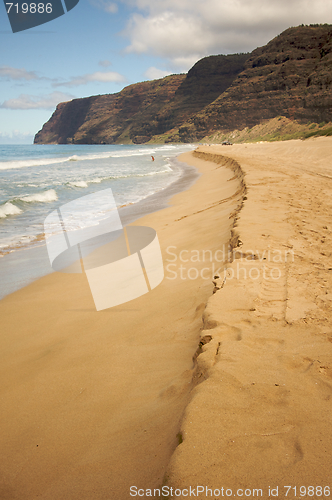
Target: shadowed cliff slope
(109,118)
(291,76)
(142,110)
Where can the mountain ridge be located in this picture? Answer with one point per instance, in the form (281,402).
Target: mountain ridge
(290,76)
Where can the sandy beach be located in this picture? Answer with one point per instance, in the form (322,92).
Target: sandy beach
(259,420)
(93,403)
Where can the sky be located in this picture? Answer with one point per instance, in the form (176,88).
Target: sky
(101,46)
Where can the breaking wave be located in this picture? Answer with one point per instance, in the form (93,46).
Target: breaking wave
(9,209)
(79,184)
(44,197)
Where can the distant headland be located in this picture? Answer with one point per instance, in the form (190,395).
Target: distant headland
(279,91)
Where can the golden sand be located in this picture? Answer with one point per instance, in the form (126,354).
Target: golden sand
(261,417)
(92,402)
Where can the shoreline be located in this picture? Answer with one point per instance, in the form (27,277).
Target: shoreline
(259,416)
(24,265)
(101,395)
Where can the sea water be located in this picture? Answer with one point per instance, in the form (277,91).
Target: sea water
(36,179)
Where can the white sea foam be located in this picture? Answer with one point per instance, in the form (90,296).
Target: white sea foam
(125,155)
(45,196)
(8,165)
(98,180)
(79,184)
(9,209)
(11,243)
(25,185)
(168,169)
(36,162)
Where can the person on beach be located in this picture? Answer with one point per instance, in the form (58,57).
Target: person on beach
(152,158)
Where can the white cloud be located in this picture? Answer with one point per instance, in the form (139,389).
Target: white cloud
(186,62)
(167,35)
(105,5)
(9,73)
(26,101)
(98,76)
(153,73)
(105,63)
(16,137)
(183,31)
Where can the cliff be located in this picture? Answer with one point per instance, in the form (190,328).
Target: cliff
(143,110)
(291,76)
(110,118)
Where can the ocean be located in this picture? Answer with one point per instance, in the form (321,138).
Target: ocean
(36,179)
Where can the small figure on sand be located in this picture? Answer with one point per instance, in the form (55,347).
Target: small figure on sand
(152,158)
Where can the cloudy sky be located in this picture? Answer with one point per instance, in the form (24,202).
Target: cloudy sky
(101,46)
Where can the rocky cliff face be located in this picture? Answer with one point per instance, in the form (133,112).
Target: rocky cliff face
(110,118)
(290,76)
(204,83)
(143,110)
